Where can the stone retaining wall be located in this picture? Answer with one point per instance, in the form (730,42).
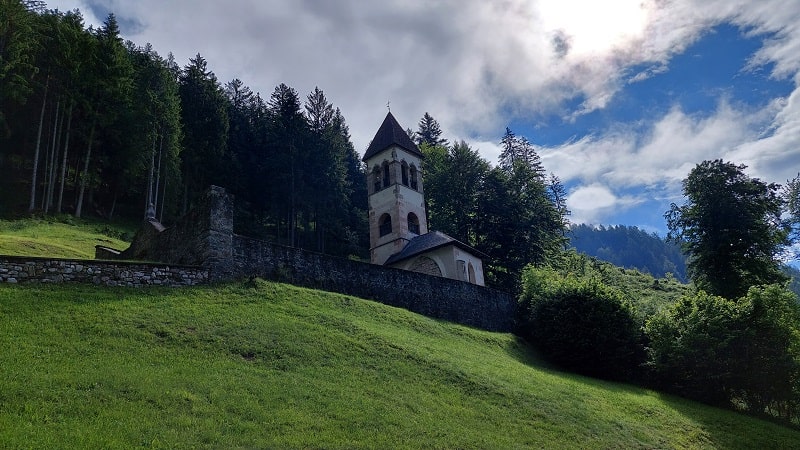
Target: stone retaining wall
(17,269)
(437,297)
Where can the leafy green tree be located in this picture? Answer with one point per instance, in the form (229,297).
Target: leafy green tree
(580,324)
(737,353)
(453,177)
(731,228)
(538,223)
(497,231)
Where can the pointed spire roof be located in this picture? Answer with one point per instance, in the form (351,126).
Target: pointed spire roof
(391,133)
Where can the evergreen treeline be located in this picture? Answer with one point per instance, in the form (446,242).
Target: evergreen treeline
(632,248)
(90,124)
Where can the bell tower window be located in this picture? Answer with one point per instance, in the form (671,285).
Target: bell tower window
(413,223)
(385,225)
(413,173)
(376,179)
(386,174)
(404,171)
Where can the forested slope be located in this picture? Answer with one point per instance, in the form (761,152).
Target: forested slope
(630,247)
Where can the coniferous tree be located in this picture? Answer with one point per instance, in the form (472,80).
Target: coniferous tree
(17,50)
(241,131)
(518,150)
(287,139)
(429,132)
(791,196)
(110,97)
(154,121)
(204,118)
(327,174)
(355,236)
(558,197)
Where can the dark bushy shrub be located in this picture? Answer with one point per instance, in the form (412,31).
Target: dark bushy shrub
(738,353)
(580,324)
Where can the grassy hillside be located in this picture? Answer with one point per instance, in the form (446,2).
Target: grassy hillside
(275,366)
(70,238)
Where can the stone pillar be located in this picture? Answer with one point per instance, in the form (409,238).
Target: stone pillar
(220,233)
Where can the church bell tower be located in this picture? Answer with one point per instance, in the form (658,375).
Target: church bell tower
(394,183)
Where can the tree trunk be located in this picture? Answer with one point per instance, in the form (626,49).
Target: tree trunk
(51,172)
(158,173)
(64,160)
(32,204)
(79,207)
(163,199)
(292,211)
(113,206)
(149,200)
(185,196)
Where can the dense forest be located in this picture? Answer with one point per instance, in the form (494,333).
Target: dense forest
(94,125)
(632,248)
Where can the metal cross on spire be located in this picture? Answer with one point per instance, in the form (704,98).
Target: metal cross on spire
(387,106)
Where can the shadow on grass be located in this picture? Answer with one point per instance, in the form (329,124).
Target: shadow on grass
(719,427)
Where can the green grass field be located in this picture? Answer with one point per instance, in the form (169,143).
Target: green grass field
(269,365)
(73,238)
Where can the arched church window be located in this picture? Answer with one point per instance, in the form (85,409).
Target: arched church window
(461,269)
(385,225)
(413,223)
(413,173)
(376,179)
(404,172)
(471,272)
(385,174)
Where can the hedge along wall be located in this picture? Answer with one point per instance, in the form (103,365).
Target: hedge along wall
(17,269)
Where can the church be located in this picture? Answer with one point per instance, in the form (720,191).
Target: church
(398,223)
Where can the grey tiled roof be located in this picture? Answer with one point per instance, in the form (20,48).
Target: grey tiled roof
(390,133)
(427,242)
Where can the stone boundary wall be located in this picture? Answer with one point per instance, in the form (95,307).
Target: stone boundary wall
(205,237)
(21,269)
(436,297)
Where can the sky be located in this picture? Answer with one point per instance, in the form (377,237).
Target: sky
(621,98)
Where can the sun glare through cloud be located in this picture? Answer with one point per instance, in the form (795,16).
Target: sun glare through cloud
(594,28)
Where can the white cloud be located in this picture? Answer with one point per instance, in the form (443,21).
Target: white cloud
(660,158)
(590,204)
(89,18)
